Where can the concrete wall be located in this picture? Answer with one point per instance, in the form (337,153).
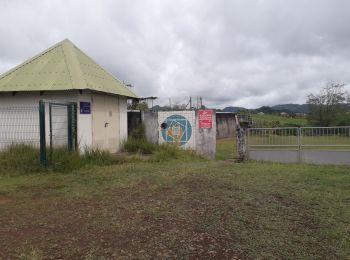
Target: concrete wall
(206,139)
(181,128)
(85,121)
(123,121)
(225,125)
(84,126)
(150,120)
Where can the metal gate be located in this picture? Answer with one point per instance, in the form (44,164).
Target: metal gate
(61,120)
(316,145)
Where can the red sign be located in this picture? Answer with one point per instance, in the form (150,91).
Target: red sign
(205,118)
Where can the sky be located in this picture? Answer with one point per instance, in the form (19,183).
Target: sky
(246,53)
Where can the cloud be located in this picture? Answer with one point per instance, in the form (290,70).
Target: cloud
(242,53)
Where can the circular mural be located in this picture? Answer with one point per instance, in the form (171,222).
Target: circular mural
(177,130)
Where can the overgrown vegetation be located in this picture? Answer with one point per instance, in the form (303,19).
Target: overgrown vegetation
(24,159)
(18,159)
(137,143)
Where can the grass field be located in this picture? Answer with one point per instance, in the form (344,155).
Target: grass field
(181,208)
(284,121)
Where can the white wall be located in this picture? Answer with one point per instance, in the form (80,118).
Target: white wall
(123,122)
(85,121)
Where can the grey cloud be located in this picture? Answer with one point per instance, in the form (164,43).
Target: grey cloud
(242,53)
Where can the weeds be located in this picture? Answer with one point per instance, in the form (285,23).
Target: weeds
(24,159)
(139,145)
(20,159)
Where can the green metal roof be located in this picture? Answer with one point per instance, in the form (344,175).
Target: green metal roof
(62,67)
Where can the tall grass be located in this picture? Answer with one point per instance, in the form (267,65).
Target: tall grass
(24,159)
(21,159)
(159,153)
(139,145)
(137,142)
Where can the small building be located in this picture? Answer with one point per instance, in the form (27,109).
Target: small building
(65,73)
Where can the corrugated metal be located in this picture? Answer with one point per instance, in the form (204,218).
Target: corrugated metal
(62,67)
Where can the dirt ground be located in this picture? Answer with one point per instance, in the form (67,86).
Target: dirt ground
(178,210)
(135,222)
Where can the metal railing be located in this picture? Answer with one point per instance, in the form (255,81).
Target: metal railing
(319,145)
(297,138)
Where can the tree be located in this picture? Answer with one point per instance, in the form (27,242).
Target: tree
(327,105)
(136,105)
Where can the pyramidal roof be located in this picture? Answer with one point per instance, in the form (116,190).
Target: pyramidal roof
(62,67)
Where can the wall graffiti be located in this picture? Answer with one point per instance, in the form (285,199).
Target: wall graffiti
(177,127)
(176,130)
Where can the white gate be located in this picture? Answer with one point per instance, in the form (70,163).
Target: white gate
(317,145)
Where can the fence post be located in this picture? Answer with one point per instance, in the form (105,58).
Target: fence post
(299,144)
(43,159)
(241,144)
(50,123)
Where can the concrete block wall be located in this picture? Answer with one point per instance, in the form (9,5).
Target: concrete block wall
(204,141)
(225,125)
(150,120)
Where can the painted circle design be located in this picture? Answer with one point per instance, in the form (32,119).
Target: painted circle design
(178,130)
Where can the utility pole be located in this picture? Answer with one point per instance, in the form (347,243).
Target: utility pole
(190,103)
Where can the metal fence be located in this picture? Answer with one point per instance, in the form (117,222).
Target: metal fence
(19,125)
(49,124)
(318,145)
